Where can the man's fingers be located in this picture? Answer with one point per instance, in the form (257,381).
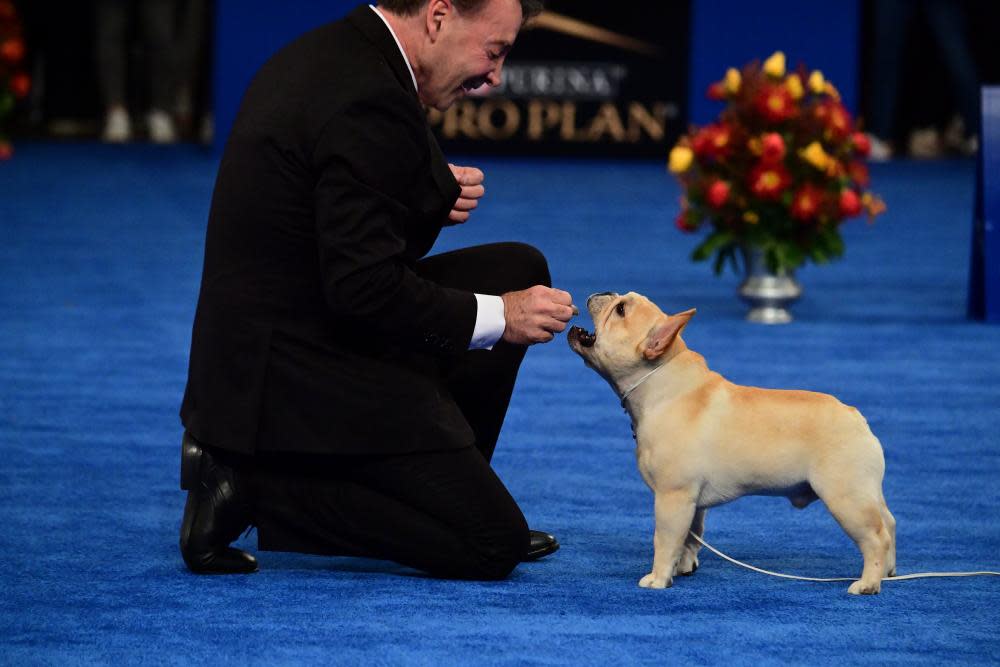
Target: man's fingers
(470,176)
(466,175)
(562,297)
(472,191)
(556,326)
(458,216)
(563,313)
(464,204)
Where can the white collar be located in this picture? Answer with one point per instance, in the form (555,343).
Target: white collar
(393,33)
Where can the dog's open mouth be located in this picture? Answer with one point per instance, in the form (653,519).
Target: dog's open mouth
(582,336)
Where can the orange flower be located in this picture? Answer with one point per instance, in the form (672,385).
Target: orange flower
(768,181)
(774,103)
(873,205)
(806,202)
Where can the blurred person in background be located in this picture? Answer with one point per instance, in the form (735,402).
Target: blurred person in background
(154,22)
(948,22)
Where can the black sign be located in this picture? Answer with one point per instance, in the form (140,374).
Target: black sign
(584,78)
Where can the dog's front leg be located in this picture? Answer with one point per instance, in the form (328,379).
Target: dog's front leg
(674,513)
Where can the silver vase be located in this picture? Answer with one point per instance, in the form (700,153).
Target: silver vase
(768,293)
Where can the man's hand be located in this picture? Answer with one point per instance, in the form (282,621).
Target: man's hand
(535,315)
(471,180)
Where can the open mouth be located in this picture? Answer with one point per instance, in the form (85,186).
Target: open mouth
(471,84)
(582,336)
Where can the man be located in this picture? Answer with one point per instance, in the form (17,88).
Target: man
(345,395)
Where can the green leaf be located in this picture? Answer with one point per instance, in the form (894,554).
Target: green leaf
(714,242)
(833,244)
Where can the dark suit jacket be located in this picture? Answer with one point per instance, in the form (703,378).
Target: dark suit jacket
(313,332)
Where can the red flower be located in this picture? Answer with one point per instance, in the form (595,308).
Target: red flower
(862,145)
(850,203)
(772,148)
(713,141)
(806,202)
(717,91)
(6,151)
(718,194)
(7,11)
(775,103)
(12,50)
(20,84)
(835,118)
(858,172)
(767,182)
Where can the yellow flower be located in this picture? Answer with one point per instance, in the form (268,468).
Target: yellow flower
(817,83)
(732,81)
(816,156)
(680,159)
(756,146)
(751,217)
(794,85)
(775,65)
(831,90)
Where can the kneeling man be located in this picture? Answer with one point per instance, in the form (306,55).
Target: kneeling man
(345,392)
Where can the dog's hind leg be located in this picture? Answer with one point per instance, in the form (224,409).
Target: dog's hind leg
(890,525)
(688,563)
(860,515)
(674,514)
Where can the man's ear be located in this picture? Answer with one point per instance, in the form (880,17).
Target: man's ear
(437,10)
(662,335)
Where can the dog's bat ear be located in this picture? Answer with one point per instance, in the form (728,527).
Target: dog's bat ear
(664,332)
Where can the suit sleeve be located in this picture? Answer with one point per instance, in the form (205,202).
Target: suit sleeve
(374,191)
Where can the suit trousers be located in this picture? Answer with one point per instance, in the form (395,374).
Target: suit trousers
(444,512)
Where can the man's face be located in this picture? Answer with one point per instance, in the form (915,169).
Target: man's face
(468,50)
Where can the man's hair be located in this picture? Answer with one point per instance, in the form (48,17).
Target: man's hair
(529,8)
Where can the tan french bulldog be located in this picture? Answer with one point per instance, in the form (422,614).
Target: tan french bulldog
(703,441)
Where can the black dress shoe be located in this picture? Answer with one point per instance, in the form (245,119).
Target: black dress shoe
(542,544)
(216,512)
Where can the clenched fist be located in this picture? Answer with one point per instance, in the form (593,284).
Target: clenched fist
(471,180)
(536,315)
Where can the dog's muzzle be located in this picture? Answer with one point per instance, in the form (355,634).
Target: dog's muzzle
(582,336)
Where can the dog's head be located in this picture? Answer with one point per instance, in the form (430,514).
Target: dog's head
(630,333)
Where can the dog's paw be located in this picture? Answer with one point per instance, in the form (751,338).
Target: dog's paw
(861,588)
(652,581)
(687,565)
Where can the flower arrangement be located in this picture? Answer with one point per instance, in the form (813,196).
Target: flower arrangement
(780,170)
(14,81)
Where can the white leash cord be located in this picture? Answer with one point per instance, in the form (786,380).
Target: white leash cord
(901,577)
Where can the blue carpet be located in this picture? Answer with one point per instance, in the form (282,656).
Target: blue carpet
(100,256)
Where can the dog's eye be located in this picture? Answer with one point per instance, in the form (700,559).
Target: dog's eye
(620,309)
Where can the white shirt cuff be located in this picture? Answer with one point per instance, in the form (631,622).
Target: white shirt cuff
(490,322)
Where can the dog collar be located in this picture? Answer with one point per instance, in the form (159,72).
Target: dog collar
(636,385)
